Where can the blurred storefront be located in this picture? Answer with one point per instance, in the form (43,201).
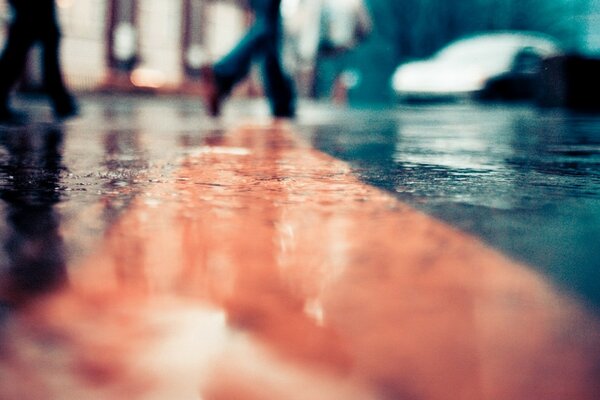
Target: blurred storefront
(159,45)
(153,45)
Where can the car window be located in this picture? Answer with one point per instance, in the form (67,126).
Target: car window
(493,52)
(527,61)
(469,46)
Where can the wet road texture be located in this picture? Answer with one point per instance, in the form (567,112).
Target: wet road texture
(419,253)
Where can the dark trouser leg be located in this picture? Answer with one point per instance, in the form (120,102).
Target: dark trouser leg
(235,66)
(53,80)
(279,86)
(12,62)
(263,39)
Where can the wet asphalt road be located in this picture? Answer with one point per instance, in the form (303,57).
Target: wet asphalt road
(526,181)
(185,257)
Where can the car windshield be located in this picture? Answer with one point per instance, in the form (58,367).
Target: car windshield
(492,51)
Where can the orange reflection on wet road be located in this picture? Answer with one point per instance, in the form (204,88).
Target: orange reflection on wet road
(265,270)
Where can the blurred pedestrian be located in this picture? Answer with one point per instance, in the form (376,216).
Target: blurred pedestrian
(34,21)
(325,33)
(344,24)
(262,41)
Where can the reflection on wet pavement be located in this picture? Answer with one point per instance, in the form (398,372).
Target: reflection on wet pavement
(32,243)
(254,267)
(527,181)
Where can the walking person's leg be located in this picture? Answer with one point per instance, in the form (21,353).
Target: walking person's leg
(279,86)
(12,62)
(62,101)
(235,66)
(262,39)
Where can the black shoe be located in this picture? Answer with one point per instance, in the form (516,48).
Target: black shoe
(10,117)
(284,112)
(66,110)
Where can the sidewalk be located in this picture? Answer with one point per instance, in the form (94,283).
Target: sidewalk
(256,267)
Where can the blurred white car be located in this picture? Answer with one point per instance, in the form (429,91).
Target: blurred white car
(500,64)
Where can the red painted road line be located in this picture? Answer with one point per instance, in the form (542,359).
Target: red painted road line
(265,270)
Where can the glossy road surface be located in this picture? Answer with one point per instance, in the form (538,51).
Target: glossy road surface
(150,253)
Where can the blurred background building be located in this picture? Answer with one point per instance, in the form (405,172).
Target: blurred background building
(140,44)
(411,29)
(158,45)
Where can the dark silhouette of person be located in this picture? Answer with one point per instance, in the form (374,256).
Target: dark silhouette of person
(34,21)
(30,173)
(263,41)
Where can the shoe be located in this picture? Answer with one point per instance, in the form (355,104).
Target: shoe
(211,92)
(65,110)
(283,102)
(10,117)
(284,112)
